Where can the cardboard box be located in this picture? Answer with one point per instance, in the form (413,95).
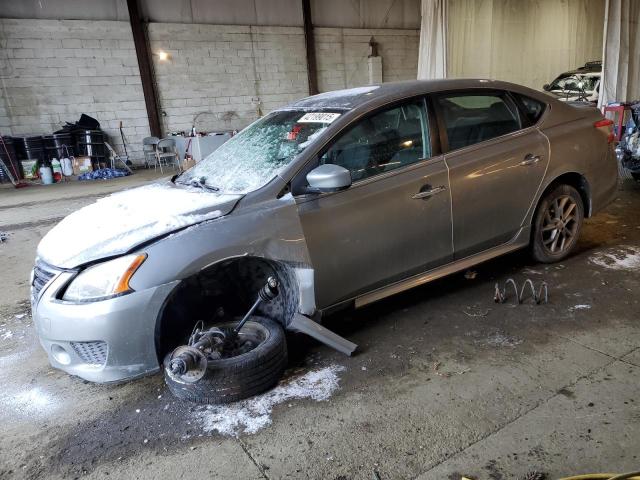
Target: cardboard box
(82,165)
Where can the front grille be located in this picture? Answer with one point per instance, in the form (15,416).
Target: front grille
(93,353)
(42,274)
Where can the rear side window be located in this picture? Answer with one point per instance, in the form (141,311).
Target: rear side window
(533,108)
(471,119)
(382,142)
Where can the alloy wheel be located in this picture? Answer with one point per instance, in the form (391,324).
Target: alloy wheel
(560,225)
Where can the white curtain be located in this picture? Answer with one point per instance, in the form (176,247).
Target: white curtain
(432,55)
(527,42)
(621,52)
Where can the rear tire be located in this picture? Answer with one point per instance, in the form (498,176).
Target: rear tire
(557,224)
(231,379)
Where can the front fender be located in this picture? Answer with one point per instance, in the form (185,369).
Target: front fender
(270,230)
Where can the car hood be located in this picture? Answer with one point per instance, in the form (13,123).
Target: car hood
(117,223)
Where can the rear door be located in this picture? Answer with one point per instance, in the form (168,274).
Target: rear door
(395,219)
(496,161)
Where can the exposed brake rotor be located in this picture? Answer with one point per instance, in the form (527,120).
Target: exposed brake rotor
(188,363)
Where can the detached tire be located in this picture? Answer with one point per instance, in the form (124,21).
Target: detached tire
(231,379)
(557,224)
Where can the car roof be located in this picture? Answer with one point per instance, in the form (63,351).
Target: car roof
(353,98)
(589,67)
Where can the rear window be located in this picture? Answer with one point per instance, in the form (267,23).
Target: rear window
(472,118)
(533,108)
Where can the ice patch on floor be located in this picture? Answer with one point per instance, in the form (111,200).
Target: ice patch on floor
(29,402)
(625,257)
(580,307)
(253,414)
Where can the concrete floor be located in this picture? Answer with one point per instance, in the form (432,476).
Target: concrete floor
(446,382)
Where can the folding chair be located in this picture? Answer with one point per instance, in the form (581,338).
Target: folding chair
(115,158)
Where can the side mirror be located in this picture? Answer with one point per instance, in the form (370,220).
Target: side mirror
(328,178)
(546,87)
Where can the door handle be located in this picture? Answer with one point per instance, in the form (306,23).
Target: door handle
(429,193)
(529,160)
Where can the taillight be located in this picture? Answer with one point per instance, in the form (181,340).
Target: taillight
(605,122)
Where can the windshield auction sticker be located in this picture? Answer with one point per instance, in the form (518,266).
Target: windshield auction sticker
(318,117)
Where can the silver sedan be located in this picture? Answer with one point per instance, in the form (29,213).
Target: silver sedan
(345,197)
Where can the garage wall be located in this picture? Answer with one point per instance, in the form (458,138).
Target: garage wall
(527,42)
(52,71)
(226,75)
(342,55)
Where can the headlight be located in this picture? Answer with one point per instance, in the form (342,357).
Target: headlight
(104,280)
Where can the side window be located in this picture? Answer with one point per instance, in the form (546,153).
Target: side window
(533,108)
(382,142)
(471,119)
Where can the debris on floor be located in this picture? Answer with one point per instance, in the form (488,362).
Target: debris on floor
(104,174)
(251,415)
(4,237)
(624,257)
(534,476)
(500,296)
(477,314)
(470,274)
(499,339)
(436,370)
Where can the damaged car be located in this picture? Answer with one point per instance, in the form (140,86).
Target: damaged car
(333,201)
(579,85)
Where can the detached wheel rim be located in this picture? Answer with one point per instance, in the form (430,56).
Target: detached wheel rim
(560,225)
(250,337)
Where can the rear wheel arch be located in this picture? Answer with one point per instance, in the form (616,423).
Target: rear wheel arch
(573,179)
(224,291)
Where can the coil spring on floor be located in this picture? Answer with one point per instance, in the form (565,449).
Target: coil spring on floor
(500,296)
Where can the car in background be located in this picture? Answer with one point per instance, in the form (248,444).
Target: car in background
(346,198)
(579,85)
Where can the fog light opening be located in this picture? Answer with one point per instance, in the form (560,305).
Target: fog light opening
(60,355)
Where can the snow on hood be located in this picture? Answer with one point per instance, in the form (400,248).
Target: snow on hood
(116,223)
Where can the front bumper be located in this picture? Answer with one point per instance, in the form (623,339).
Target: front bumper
(105,341)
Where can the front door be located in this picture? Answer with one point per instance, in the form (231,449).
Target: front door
(495,166)
(395,219)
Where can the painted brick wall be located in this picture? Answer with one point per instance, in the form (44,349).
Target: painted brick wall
(226,75)
(342,55)
(54,70)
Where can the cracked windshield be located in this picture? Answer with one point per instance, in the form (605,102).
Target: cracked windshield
(255,155)
(575,84)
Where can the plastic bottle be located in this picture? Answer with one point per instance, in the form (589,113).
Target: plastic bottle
(67,167)
(46,175)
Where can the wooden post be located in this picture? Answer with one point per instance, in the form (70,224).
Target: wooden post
(144,64)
